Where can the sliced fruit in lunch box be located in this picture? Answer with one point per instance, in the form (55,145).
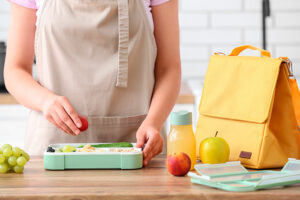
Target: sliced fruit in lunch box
(109,145)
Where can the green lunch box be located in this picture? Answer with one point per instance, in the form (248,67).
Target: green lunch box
(232,176)
(92,160)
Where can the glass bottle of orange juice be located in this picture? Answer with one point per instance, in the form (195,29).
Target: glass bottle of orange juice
(181,137)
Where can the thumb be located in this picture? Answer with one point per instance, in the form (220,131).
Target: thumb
(141,139)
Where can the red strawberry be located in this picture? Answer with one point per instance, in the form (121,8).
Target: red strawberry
(84,124)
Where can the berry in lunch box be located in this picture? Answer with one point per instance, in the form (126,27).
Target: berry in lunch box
(69,148)
(84,124)
(50,149)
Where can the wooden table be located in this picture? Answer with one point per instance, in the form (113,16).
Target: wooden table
(152,182)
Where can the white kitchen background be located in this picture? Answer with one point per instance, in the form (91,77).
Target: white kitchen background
(206,26)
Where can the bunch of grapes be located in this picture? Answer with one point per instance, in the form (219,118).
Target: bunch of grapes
(12,159)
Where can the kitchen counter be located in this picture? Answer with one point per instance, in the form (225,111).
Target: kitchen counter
(186,96)
(6,98)
(152,182)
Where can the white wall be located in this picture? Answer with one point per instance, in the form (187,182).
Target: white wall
(219,25)
(13,120)
(4,19)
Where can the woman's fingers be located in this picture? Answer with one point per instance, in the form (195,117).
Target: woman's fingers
(50,119)
(149,147)
(60,112)
(66,119)
(140,140)
(153,147)
(71,112)
(61,124)
(153,152)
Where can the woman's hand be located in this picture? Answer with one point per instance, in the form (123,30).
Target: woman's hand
(60,112)
(150,136)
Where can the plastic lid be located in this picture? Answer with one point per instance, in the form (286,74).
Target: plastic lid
(181,118)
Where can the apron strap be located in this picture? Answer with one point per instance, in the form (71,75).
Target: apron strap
(122,77)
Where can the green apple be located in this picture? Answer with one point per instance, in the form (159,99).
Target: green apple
(214,150)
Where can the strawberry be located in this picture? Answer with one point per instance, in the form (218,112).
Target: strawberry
(84,124)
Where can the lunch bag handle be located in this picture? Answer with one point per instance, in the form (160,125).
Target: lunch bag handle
(238,50)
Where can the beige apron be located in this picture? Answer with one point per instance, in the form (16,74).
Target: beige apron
(100,54)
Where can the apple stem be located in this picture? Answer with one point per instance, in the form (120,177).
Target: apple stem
(216,134)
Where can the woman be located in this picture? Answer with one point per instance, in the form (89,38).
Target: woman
(100,59)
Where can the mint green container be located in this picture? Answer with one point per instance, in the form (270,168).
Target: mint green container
(92,160)
(232,176)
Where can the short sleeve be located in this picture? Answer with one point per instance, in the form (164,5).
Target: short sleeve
(25,3)
(157,2)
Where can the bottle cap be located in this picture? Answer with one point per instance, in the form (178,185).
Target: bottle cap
(181,118)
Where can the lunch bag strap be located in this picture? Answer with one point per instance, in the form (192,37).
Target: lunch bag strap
(238,50)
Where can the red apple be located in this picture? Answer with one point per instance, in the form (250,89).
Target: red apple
(84,124)
(178,164)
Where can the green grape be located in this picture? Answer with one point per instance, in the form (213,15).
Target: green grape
(3,168)
(21,161)
(6,146)
(9,166)
(23,153)
(69,148)
(18,169)
(2,158)
(12,160)
(6,161)
(7,152)
(16,151)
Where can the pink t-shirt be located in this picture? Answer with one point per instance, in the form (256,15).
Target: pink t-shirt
(36,4)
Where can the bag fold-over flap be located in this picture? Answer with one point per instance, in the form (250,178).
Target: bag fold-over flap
(239,87)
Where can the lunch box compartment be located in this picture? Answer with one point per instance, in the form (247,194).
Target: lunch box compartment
(92,160)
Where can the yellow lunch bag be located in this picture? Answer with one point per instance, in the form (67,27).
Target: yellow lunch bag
(296,98)
(248,100)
